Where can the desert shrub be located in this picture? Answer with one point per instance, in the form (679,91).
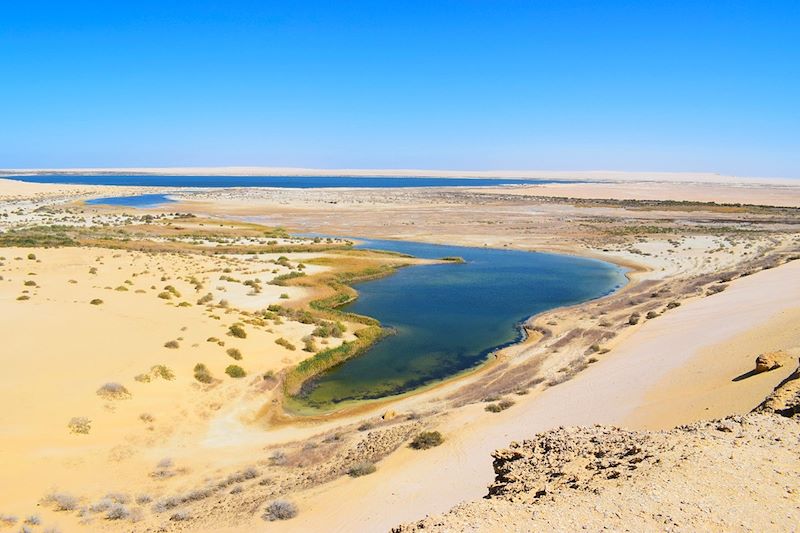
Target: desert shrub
(634,319)
(172,345)
(23,298)
(121,288)
(117,511)
(205,299)
(278,458)
(30,283)
(33,520)
(80,425)
(651,314)
(237,331)
(113,391)
(184,304)
(212,339)
(93,270)
(165,295)
(181,516)
(202,374)
(284,296)
(673,305)
(61,501)
(142,378)
(309,345)
(163,372)
(493,408)
(32,257)
(146,418)
(173,290)
(234,353)
(143,499)
(505,403)
(361,469)
(427,439)
(8,520)
(280,510)
(96,301)
(235,371)
(366,426)
(286,344)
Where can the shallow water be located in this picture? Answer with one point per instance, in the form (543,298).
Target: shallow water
(140,200)
(288,182)
(449,317)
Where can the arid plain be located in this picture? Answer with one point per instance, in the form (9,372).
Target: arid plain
(150,351)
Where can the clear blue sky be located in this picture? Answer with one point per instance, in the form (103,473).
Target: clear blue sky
(650,85)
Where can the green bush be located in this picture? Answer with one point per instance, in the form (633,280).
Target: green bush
(234,353)
(172,345)
(361,469)
(427,439)
(96,301)
(237,331)
(286,344)
(202,374)
(235,371)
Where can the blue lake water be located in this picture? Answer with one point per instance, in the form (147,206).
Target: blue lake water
(289,182)
(139,200)
(449,317)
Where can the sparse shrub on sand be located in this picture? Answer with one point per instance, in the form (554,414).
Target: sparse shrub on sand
(163,372)
(235,371)
(237,331)
(634,319)
(279,510)
(234,353)
(284,296)
(143,499)
(30,283)
(8,520)
(117,511)
(113,391)
(212,339)
(309,345)
(286,344)
(32,257)
(23,298)
(205,299)
(165,295)
(673,305)
(202,374)
(650,315)
(80,425)
(172,345)
(361,469)
(96,301)
(181,516)
(61,501)
(427,439)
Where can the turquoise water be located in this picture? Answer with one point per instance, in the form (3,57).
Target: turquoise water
(289,182)
(449,317)
(140,200)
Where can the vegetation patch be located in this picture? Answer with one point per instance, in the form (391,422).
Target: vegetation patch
(427,439)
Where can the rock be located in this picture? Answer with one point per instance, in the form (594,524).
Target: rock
(767,361)
(388,415)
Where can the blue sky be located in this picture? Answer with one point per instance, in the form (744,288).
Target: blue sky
(651,85)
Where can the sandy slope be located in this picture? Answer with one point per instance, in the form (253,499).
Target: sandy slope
(410,484)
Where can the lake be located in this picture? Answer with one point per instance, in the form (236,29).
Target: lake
(288,182)
(447,318)
(139,200)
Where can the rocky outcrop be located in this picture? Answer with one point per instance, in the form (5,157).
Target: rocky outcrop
(785,400)
(689,478)
(769,361)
